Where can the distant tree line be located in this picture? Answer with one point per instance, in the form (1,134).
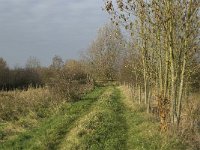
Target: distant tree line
(18,77)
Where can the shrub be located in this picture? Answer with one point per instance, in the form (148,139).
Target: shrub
(69,83)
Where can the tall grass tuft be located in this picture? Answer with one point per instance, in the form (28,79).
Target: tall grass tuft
(21,110)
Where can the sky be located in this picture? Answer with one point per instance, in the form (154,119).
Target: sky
(45,28)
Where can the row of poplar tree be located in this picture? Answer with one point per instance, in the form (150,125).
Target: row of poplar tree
(165,46)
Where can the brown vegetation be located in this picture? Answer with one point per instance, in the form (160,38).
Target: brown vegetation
(17,104)
(69,81)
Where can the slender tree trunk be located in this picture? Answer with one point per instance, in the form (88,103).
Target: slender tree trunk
(172,68)
(140,94)
(166,77)
(182,80)
(181,91)
(160,65)
(149,102)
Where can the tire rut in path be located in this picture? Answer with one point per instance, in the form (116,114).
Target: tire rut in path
(104,127)
(50,133)
(65,129)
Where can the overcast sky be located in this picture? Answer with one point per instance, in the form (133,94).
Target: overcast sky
(45,28)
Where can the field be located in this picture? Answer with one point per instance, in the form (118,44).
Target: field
(105,118)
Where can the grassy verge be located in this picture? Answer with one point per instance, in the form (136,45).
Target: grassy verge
(103,128)
(50,132)
(143,129)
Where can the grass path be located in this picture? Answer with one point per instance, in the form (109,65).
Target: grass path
(106,119)
(104,128)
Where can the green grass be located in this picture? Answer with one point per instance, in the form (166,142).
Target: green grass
(143,130)
(105,119)
(144,134)
(104,128)
(49,133)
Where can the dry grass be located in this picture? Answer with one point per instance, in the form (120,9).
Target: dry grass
(22,110)
(129,101)
(190,123)
(15,104)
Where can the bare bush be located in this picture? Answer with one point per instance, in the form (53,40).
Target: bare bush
(70,82)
